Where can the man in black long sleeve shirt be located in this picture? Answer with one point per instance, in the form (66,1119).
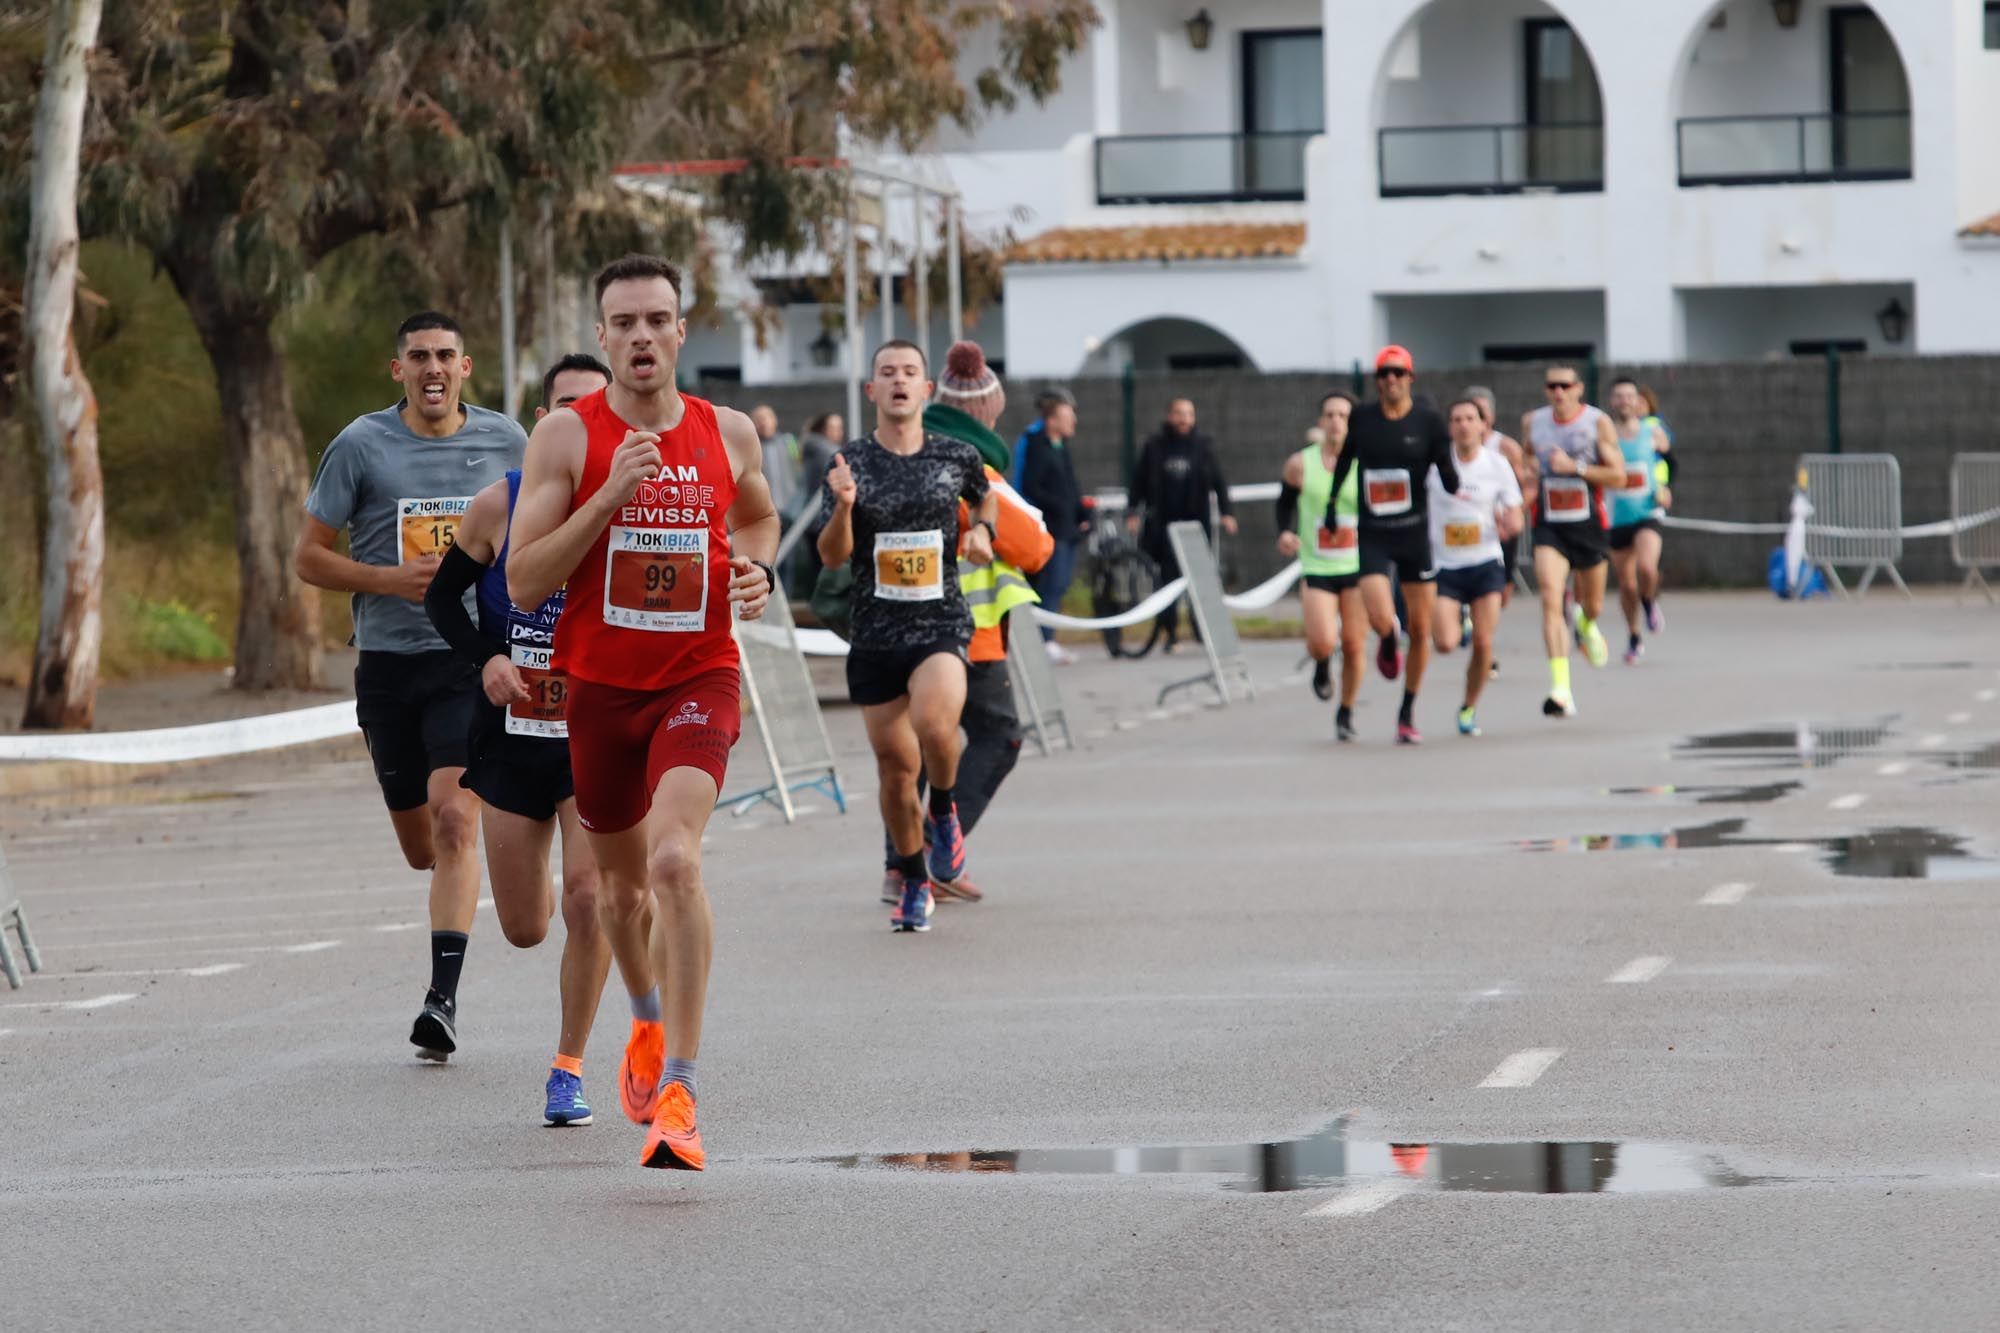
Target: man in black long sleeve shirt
(1396,441)
(1176,476)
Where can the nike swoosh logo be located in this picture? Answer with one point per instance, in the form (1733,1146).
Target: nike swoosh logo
(475,462)
(450,955)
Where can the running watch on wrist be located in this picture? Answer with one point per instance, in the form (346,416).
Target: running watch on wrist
(992,533)
(770,575)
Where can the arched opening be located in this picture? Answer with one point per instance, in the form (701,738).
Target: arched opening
(1824,97)
(1165,344)
(1488,97)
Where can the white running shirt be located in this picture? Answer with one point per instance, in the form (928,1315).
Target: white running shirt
(1465,533)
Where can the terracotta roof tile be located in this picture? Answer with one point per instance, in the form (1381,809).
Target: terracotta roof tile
(1984,227)
(1191,240)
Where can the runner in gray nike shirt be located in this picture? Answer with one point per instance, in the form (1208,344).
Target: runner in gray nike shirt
(398,480)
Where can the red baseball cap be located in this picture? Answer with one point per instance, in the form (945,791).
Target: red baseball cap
(1394,357)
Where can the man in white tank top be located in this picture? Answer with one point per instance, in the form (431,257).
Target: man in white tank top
(1570,454)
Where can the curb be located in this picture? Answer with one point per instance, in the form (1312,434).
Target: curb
(52,776)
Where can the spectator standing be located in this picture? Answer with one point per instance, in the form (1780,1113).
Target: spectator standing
(825,434)
(781,461)
(1048,482)
(1177,478)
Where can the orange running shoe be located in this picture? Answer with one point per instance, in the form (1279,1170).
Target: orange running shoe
(639,1072)
(673,1141)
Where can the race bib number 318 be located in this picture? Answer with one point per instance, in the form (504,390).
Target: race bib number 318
(657,579)
(428,527)
(909,566)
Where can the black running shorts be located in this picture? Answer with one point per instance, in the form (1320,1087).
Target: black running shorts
(523,775)
(878,677)
(415,711)
(1407,552)
(1584,544)
(1621,537)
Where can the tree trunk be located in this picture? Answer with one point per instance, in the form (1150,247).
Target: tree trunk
(62,692)
(277,626)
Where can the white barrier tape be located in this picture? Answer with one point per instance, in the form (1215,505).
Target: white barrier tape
(207,740)
(821,643)
(1941,528)
(1112,499)
(1268,593)
(1138,615)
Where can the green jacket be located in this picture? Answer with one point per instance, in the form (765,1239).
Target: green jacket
(960,426)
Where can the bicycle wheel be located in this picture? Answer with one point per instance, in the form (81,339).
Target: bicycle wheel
(1122,581)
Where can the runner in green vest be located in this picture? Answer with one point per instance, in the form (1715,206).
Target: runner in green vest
(1329,556)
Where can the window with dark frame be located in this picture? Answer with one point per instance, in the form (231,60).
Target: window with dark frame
(1563,103)
(1515,353)
(1284,103)
(1993,25)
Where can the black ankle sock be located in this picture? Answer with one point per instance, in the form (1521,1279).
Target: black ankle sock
(1404,714)
(447,958)
(941,798)
(1634,643)
(913,867)
(1343,715)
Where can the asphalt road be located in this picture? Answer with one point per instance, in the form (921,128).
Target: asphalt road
(1756,1055)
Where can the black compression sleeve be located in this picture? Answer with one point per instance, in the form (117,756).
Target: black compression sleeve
(1672,459)
(1441,457)
(444,603)
(1341,468)
(1288,506)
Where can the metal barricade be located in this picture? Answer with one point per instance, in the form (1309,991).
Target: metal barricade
(1036,697)
(784,706)
(1975,518)
(1857,517)
(1213,620)
(14,919)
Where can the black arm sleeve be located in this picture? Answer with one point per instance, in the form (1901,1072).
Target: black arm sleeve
(1441,458)
(1672,458)
(1341,468)
(1288,506)
(444,603)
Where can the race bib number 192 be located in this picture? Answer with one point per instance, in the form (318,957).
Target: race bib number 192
(657,579)
(545,711)
(428,527)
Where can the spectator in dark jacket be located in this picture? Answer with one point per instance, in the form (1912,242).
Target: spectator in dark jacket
(1177,477)
(1048,482)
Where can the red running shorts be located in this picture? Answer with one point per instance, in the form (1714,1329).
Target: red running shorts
(622,742)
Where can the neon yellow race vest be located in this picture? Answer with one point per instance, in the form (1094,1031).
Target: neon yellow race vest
(991,591)
(1344,556)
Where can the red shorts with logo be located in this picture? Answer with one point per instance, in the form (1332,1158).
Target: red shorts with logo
(622,742)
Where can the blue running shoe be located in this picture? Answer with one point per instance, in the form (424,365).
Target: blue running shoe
(566,1103)
(946,847)
(914,912)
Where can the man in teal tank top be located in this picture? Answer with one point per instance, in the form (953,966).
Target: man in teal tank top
(1329,556)
(1636,537)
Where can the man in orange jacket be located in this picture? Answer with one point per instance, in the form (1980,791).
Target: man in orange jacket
(968,402)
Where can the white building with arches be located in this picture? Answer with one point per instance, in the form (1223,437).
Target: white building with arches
(1288,184)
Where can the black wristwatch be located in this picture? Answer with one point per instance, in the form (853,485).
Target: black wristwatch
(770,575)
(992,533)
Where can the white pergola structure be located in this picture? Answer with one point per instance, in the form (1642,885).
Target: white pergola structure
(871,193)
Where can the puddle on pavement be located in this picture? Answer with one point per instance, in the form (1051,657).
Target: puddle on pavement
(1757,795)
(1331,1158)
(1797,745)
(1984,759)
(1890,853)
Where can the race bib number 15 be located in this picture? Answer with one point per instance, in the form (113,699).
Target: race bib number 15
(428,527)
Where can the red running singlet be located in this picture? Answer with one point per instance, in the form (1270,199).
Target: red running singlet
(648,606)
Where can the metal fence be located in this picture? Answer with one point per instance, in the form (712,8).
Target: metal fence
(784,707)
(1857,517)
(1213,620)
(1975,516)
(1036,696)
(13,918)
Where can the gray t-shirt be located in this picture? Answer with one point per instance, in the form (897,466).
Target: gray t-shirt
(400,495)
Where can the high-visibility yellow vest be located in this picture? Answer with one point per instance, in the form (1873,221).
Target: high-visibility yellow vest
(991,591)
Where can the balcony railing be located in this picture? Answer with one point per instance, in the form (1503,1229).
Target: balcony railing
(1201,168)
(1490,159)
(1795,150)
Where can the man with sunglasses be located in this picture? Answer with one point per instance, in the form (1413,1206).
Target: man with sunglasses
(1572,454)
(1396,441)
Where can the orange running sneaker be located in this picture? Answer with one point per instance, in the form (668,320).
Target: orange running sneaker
(673,1141)
(639,1072)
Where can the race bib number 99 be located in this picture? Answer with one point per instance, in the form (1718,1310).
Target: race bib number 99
(657,579)
(428,527)
(909,566)
(1565,500)
(544,712)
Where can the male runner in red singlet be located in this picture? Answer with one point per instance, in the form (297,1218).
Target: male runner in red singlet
(652,505)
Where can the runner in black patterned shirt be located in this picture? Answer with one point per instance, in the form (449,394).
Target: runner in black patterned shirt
(889,509)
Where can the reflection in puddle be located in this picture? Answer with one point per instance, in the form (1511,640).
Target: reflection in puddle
(1759,795)
(1801,745)
(1331,1158)
(1892,853)
(1987,758)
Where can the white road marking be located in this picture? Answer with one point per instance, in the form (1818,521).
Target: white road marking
(1854,800)
(1893,769)
(1522,1068)
(398,925)
(1791,848)
(1987,696)
(1959,719)
(485,902)
(1362,1199)
(1724,895)
(1643,968)
(1931,742)
(94,1002)
(313,947)
(212,970)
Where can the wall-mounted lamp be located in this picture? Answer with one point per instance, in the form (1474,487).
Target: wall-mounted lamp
(1786,12)
(1894,321)
(1201,27)
(822,348)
